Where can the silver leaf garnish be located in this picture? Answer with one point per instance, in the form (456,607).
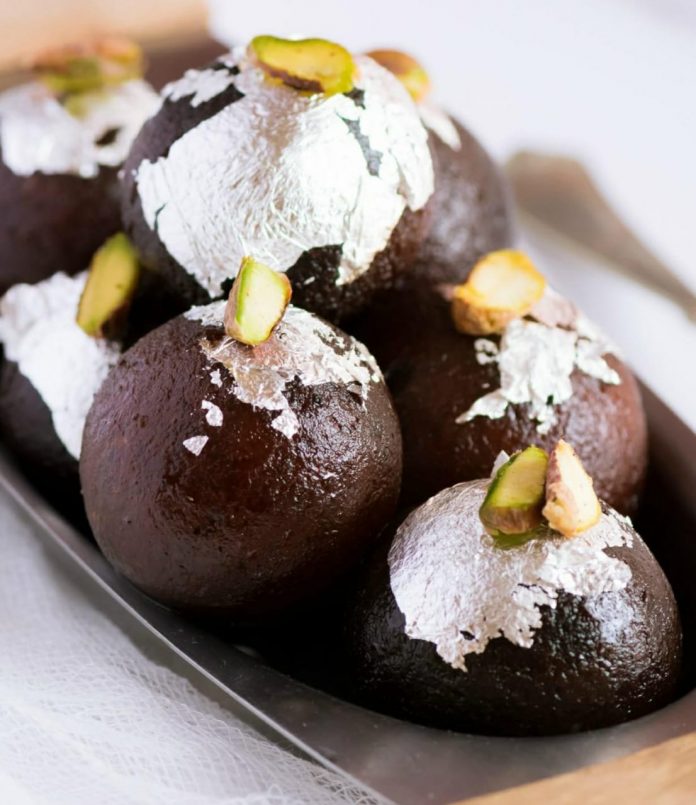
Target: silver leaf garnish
(298,178)
(303,348)
(458,590)
(536,361)
(38,134)
(64,364)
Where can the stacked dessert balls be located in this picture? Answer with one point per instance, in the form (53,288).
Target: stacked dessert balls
(229,475)
(240,458)
(493,378)
(63,138)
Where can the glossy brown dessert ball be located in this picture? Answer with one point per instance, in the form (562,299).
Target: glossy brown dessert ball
(238,480)
(550,637)
(231,156)
(472,203)
(471,208)
(435,375)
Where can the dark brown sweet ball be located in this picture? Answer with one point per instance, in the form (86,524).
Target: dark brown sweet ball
(53,222)
(331,188)
(557,635)
(471,206)
(59,193)
(437,375)
(230,479)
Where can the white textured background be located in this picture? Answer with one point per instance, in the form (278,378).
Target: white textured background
(84,716)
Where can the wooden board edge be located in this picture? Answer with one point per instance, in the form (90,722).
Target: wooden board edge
(665,773)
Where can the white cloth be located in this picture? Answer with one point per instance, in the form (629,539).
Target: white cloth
(86,718)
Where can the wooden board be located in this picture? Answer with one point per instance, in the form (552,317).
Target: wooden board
(661,775)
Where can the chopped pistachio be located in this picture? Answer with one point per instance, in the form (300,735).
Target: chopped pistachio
(311,65)
(257,302)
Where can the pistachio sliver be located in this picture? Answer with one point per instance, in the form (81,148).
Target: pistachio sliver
(257,302)
(504,285)
(311,65)
(75,69)
(571,505)
(515,498)
(407,69)
(110,287)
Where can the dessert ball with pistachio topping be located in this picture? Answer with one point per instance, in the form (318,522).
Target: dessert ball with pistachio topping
(532,374)
(51,369)
(312,160)
(63,139)
(227,478)
(533,634)
(471,207)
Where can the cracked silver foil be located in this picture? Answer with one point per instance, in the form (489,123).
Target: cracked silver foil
(279,172)
(500,460)
(195,444)
(536,362)
(458,590)
(64,364)
(301,348)
(213,413)
(38,134)
(199,86)
(435,119)
(555,310)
